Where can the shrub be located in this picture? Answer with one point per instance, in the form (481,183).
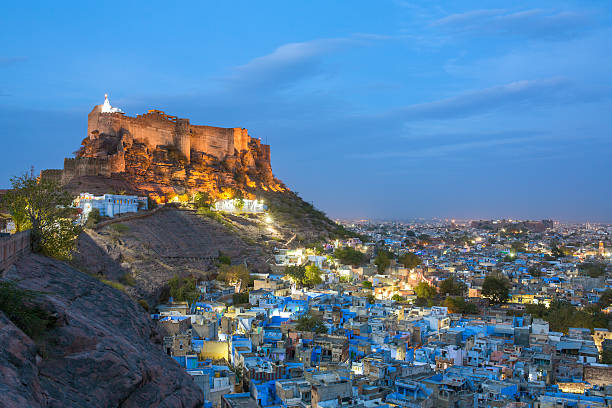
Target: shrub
(128,279)
(119,228)
(114,284)
(144,304)
(93,218)
(17,304)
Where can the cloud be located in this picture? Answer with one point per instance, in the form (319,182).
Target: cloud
(440,150)
(286,65)
(533,23)
(514,94)
(6,61)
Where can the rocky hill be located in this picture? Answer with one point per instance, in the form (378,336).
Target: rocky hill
(98,349)
(163,156)
(143,254)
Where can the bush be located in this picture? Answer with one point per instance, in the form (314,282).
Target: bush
(240,298)
(17,304)
(128,279)
(93,218)
(120,228)
(144,304)
(114,284)
(184,289)
(349,256)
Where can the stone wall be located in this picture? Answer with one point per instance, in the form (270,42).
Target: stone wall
(12,247)
(598,374)
(156,128)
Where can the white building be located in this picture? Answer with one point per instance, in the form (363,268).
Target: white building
(233,206)
(110,205)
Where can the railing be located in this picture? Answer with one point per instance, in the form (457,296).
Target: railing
(12,247)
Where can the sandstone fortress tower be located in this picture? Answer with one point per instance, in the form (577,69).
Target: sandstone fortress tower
(138,147)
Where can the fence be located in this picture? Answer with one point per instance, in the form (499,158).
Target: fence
(12,247)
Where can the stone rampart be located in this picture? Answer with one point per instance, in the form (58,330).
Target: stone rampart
(598,374)
(12,247)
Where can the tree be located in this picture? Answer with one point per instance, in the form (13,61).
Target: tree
(410,260)
(425,291)
(184,289)
(453,287)
(518,246)
(312,276)
(383,259)
(496,289)
(366,284)
(311,323)
(43,207)
(349,256)
(592,269)
(202,199)
(224,259)
(458,304)
(397,297)
(605,299)
(535,270)
(234,275)
(297,273)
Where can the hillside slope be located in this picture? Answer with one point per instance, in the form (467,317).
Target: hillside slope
(145,253)
(102,350)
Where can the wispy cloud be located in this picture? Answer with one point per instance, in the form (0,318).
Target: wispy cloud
(440,150)
(533,23)
(293,62)
(514,95)
(6,61)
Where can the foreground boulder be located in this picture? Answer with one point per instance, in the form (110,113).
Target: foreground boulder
(101,351)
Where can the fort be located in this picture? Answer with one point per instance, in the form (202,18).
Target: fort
(159,149)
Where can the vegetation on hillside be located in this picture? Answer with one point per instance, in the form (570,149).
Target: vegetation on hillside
(20,306)
(349,256)
(562,315)
(311,323)
(43,207)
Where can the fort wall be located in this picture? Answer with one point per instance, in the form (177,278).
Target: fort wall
(12,247)
(111,136)
(155,128)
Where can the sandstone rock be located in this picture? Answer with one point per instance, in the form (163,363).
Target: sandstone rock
(100,354)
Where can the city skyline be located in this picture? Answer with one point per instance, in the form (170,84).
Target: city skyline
(396,111)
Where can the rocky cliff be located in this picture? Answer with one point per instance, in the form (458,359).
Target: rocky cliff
(101,351)
(163,156)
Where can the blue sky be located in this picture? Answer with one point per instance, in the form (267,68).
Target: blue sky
(387,109)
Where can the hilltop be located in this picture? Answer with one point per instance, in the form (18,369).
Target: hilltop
(162,156)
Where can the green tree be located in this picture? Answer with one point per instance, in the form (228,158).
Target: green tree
(366,284)
(224,259)
(452,286)
(297,273)
(43,207)
(518,246)
(311,323)
(383,259)
(458,304)
(592,269)
(496,289)
(184,289)
(312,276)
(202,199)
(425,291)
(605,299)
(234,275)
(349,256)
(397,297)
(410,260)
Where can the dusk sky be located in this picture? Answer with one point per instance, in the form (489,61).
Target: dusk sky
(380,109)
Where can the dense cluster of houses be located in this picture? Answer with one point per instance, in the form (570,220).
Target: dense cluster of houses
(345,344)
